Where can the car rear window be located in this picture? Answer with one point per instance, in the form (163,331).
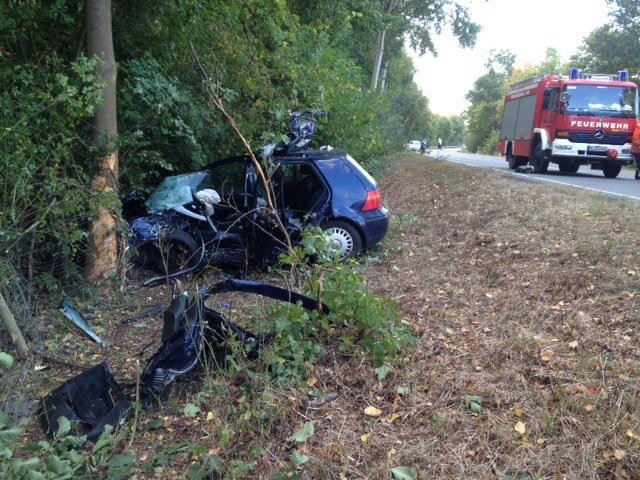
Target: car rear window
(356,166)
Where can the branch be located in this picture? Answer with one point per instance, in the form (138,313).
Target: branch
(218,103)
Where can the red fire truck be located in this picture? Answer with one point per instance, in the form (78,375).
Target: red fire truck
(573,120)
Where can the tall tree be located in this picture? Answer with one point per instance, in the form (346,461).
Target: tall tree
(485,99)
(615,45)
(103,238)
(419,20)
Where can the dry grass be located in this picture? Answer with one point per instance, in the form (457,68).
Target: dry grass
(522,294)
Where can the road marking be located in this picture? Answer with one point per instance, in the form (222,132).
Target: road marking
(570,184)
(542,179)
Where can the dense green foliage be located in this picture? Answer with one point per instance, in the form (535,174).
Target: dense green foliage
(615,45)
(266,57)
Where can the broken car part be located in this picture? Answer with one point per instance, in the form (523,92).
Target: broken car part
(191,330)
(76,317)
(225,205)
(89,401)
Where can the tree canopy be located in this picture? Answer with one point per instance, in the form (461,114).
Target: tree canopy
(266,57)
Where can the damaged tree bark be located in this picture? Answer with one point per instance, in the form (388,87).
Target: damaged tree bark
(12,327)
(103,239)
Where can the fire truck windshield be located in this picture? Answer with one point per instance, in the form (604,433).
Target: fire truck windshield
(602,100)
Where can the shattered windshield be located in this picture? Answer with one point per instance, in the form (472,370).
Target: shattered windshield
(602,100)
(178,190)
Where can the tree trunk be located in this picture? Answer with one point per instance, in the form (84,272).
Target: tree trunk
(12,327)
(378,62)
(383,80)
(103,239)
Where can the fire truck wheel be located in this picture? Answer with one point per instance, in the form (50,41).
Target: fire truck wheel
(540,163)
(513,161)
(611,171)
(568,167)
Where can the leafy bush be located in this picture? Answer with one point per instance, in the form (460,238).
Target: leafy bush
(364,322)
(156,118)
(45,110)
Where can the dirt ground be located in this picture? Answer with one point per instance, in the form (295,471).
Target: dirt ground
(524,299)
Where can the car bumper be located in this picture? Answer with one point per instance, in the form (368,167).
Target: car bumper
(585,152)
(376,226)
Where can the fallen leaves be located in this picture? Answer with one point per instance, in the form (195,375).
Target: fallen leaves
(520,428)
(617,453)
(546,355)
(631,434)
(404,473)
(372,411)
(305,433)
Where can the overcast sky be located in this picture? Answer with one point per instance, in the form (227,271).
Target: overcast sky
(526,28)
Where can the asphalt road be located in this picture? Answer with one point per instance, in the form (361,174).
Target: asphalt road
(625,186)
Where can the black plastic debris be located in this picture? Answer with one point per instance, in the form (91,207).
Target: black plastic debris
(192,333)
(152,312)
(89,401)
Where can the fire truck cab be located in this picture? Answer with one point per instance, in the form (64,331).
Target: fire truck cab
(574,120)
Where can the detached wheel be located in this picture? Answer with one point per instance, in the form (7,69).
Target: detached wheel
(611,171)
(540,163)
(344,238)
(568,167)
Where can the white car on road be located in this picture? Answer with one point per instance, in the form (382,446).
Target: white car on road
(413,145)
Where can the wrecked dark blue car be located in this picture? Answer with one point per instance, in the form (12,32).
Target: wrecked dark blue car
(218,215)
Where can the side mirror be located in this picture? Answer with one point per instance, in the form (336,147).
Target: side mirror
(565,98)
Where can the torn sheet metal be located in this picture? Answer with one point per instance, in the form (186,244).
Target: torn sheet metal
(192,333)
(76,317)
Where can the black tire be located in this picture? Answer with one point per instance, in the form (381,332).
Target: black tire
(611,170)
(345,238)
(174,252)
(538,161)
(511,159)
(566,166)
(230,257)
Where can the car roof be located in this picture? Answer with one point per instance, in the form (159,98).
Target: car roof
(295,157)
(311,156)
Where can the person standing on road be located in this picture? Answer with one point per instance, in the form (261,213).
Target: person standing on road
(635,149)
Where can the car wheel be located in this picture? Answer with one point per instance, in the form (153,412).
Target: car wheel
(568,167)
(611,171)
(174,252)
(344,239)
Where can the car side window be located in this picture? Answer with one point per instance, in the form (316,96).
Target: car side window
(301,187)
(229,178)
(551,98)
